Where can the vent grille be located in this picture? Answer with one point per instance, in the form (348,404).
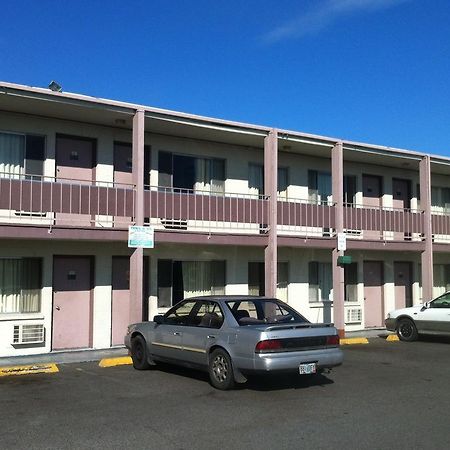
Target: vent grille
(353,315)
(28,334)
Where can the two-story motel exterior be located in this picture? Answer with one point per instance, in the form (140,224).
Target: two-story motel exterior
(236,209)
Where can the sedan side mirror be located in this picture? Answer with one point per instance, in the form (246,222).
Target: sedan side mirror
(158,319)
(425,306)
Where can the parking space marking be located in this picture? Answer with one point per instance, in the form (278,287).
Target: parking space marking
(28,369)
(392,337)
(111,362)
(351,341)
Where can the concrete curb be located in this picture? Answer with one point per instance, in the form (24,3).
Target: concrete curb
(392,338)
(28,369)
(111,362)
(353,341)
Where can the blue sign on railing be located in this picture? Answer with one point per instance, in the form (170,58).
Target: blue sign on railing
(141,237)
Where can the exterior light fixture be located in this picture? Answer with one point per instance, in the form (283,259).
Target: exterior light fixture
(55,87)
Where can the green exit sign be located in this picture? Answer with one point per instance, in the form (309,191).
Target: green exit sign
(344,260)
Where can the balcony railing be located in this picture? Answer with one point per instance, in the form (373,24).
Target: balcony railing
(187,209)
(440,222)
(50,201)
(305,218)
(383,223)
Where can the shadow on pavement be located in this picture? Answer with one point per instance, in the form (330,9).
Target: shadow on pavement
(255,383)
(435,339)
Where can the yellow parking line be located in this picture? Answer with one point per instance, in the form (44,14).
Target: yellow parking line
(392,337)
(28,369)
(110,362)
(351,341)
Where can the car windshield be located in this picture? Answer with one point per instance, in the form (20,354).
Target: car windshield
(263,311)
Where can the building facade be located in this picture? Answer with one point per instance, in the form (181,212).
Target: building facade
(236,209)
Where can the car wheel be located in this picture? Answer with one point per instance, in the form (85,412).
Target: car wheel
(406,330)
(221,370)
(139,353)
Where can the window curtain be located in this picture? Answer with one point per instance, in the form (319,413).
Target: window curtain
(351,282)
(320,282)
(325,281)
(31,285)
(324,188)
(313,281)
(313,195)
(440,284)
(282,281)
(218,176)
(203,278)
(209,175)
(12,152)
(436,204)
(256,179)
(202,175)
(20,285)
(446,199)
(282,182)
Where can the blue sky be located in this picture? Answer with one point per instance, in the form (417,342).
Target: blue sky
(376,71)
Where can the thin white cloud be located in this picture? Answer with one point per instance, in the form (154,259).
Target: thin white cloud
(324,13)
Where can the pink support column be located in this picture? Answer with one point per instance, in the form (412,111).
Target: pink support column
(270,189)
(137,257)
(425,205)
(337,175)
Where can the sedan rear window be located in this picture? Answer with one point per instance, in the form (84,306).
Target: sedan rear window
(263,311)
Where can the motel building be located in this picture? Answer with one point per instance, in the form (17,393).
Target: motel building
(235,209)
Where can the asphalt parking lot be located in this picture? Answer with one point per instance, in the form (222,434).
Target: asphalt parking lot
(386,395)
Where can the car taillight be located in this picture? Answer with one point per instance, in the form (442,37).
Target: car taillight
(269,345)
(333,340)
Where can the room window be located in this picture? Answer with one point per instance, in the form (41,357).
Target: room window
(349,189)
(256,180)
(256,279)
(351,282)
(21,154)
(440,199)
(319,187)
(20,285)
(178,280)
(320,282)
(191,173)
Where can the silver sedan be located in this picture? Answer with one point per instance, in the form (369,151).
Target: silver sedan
(234,336)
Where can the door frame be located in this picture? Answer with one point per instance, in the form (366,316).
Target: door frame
(91,293)
(77,138)
(383,279)
(411,275)
(409,191)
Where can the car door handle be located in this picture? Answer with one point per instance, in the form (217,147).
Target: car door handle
(210,336)
(177,333)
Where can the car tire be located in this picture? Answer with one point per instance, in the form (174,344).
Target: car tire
(139,354)
(406,330)
(221,370)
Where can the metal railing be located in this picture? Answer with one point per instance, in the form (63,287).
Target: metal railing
(58,201)
(305,217)
(188,209)
(440,223)
(383,223)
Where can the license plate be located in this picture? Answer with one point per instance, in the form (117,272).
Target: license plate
(307,369)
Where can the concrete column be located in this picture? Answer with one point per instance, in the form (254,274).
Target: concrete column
(137,257)
(270,189)
(337,176)
(425,205)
